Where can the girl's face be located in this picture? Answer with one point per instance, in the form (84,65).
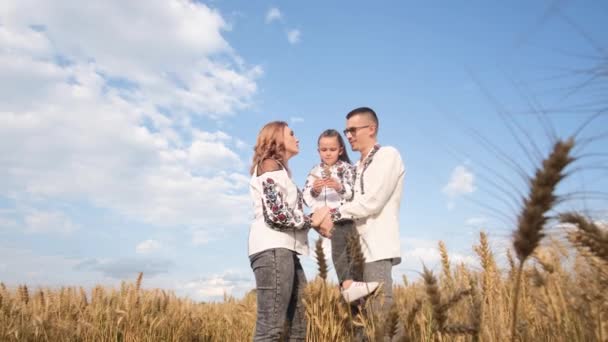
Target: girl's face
(329,150)
(291,143)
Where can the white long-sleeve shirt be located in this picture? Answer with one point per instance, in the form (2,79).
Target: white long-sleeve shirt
(375,206)
(279,220)
(343,172)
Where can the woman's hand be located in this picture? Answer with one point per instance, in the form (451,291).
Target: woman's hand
(318,216)
(326,227)
(321,221)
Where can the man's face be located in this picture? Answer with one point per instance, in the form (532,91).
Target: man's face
(359,132)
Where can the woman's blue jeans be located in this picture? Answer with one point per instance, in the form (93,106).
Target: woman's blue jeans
(280,282)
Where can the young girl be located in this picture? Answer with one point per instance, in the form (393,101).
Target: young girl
(330,184)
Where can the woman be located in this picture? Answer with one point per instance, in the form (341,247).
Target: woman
(278,234)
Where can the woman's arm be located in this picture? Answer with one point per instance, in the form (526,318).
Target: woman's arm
(277,213)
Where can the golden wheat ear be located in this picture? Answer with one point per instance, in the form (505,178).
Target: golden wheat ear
(587,235)
(445,266)
(321,260)
(392,322)
(533,217)
(355,256)
(434,295)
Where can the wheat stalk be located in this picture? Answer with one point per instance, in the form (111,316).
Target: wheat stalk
(434,294)
(355,255)
(24,295)
(321,260)
(445,265)
(532,219)
(588,236)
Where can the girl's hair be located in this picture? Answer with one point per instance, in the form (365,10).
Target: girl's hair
(330,133)
(270,145)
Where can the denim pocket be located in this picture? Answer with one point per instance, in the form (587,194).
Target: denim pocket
(263,265)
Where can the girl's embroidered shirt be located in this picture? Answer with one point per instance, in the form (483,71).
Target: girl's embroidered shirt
(341,171)
(279,220)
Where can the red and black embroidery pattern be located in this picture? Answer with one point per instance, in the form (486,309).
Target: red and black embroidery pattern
(366,162)
(335,214)
(345,175)
(277,213)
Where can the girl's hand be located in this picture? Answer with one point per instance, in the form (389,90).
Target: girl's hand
(334,184)
(318,185)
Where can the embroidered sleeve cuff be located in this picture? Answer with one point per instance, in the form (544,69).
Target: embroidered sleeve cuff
(336,216)
(307,222)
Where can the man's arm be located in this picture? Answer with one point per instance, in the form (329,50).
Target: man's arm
(381,178)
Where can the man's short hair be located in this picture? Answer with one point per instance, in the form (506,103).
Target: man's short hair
(364,111)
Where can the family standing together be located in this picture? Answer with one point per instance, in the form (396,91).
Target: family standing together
(345,200)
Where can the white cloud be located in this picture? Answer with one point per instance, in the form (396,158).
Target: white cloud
(273,14)
(162,47)
(460,183)
(293,36)
(416,252)
(103,114)
(476,221)
(126,268)
(148,247)
(201,237)
(48,222)
(212,136)
(296,119)
(204,154)
(424,255)
(241,145)
(18,266)
(214,287)
(7,222)
(25,266)
(430,256)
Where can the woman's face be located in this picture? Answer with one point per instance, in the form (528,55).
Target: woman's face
(291,143)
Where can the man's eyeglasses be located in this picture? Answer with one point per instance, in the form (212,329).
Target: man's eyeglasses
(353,130)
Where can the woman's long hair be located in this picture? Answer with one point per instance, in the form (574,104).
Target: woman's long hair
(270,144)
(331,133)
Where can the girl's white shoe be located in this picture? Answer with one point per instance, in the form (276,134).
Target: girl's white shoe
(358,289)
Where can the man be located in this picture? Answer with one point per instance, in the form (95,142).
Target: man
(375,205)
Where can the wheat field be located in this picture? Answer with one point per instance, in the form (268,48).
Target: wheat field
(553,288)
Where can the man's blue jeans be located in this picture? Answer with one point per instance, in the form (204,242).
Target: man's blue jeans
(343,264)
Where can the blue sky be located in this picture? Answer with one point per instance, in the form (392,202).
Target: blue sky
(127,128)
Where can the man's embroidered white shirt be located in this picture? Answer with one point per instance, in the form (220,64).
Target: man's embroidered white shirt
(376,203)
